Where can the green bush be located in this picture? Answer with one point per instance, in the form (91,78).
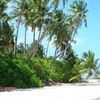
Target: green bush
(45,70)
(15,72)
(58,71)
(42,68)
(73,70)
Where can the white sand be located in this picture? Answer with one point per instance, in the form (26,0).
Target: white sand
(65,92)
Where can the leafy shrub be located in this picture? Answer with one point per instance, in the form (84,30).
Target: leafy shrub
(73,70)
(57,71)
(15,72)
(45,70)
(42,68)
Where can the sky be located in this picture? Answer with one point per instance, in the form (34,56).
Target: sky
(87,38)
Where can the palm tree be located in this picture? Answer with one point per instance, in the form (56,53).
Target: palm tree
(56,29)
(22,12)
(74,22)
(25,20)
(91,64)
(43,12)
(18,23)
(37,21)
(78,15)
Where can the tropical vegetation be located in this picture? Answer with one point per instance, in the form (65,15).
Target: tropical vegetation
(25,65)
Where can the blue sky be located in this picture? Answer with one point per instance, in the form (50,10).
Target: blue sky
(87,38)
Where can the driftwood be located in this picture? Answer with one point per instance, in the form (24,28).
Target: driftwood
(52,83)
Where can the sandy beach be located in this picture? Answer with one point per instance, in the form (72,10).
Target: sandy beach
(78,91)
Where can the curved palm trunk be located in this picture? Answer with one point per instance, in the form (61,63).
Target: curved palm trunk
(34,51)
(37,44)
(55,54)
(16,37)
(19,20)
(36,47)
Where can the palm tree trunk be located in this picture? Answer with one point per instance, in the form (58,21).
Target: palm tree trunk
(33,51)
(37,44)
(55,52)
(16,37)
(39,33)
(25,40)
(36,47)
(47,48)
(34,36)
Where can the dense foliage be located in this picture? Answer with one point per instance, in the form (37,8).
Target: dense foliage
(15,72)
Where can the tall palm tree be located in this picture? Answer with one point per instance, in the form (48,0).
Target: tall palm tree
(22,12)
(18,23)
(56,28)
(91,64)
(25,20)
(38,21)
